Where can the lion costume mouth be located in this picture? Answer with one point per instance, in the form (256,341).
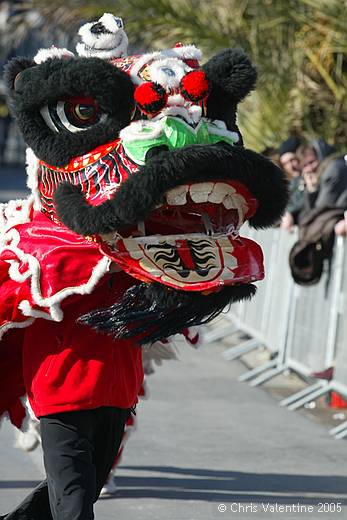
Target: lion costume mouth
(191,241)
(184,233)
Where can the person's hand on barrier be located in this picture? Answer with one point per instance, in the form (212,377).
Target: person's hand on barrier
(341,228)
(287,222)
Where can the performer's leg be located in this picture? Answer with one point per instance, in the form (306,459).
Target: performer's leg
(68,447)
(107,442)
(110,486)
(79,450)
(34,507)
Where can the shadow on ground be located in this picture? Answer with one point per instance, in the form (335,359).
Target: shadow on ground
(209,485)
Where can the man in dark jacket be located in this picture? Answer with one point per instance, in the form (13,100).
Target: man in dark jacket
(325,175)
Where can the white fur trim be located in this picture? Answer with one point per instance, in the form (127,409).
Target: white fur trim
(185,52)
(177,100)
(111,22)
(217,127)
(52,52)
(117,52)
(52,303)
(135,131)
(32,168)
(190,114)
(105,46)
(157,71)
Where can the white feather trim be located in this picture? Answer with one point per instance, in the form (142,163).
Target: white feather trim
(52,52)
(159,352)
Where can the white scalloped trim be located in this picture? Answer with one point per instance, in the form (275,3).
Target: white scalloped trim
(15,325)
(27,310)
(14,212)
(52,303)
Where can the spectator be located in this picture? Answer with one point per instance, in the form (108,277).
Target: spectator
(325,204)
(290,164)
(325,176)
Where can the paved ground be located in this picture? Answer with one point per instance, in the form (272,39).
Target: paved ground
(205,440)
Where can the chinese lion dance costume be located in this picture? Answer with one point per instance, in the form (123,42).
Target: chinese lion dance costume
(140,183)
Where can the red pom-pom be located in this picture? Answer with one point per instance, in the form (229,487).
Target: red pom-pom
(194,86)
(150,97)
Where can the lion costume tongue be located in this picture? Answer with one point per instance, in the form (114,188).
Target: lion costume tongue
(190,262)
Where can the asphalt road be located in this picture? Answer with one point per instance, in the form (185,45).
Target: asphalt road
(204,441)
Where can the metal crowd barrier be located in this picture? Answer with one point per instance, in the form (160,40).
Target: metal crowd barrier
(303,327)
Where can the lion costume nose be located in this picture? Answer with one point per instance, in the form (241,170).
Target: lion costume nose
(151,97)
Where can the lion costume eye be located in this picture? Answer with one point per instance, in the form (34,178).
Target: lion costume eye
(72,115)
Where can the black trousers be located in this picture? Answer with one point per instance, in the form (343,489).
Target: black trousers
(79,450)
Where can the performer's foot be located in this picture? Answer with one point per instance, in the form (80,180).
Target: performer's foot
(110,487)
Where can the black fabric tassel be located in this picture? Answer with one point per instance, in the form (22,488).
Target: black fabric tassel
(148,313)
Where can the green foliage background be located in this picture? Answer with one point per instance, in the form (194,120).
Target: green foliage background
(299,47)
